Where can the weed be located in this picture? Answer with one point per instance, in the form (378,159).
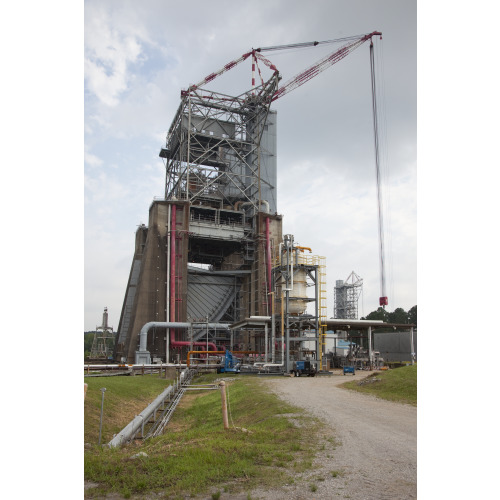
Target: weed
(313,488)
(216,496)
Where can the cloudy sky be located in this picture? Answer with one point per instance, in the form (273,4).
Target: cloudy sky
(137,58)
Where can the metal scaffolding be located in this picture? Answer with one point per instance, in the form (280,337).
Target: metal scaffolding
(346,295)
(219,153)
(104,338)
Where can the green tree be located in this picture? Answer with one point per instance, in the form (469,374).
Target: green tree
(379,314)
(412,315)
(399,315)
(88,338)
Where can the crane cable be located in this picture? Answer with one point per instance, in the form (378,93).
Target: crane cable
(385,169)
(383,301)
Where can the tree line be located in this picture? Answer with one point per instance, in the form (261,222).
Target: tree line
(399,315)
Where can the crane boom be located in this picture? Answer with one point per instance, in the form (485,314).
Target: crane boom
(213,76)
(322,64)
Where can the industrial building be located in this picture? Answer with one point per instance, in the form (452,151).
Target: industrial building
(212,270)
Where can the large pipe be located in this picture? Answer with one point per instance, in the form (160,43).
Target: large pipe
(188,362)
(133,427)
(244,203)
(143,339)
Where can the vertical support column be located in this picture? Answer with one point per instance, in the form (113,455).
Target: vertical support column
(273,331)
(319,353)
(266,341)
(224,404)
(412,347)
(370,352)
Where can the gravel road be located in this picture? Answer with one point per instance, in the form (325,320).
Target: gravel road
(376,453)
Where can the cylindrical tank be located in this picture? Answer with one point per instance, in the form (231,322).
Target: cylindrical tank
(299,286)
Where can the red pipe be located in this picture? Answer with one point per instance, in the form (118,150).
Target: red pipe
(185,343)
(172,263)
(268,258)
(173,222)
(173,342)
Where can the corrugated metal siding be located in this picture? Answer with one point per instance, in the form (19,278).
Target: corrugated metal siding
(209,295)
(395,346)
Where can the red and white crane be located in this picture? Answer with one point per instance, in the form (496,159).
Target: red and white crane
(350,44)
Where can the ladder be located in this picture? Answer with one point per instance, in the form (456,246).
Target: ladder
(321,275)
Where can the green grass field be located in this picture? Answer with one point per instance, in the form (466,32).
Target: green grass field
(399,385)
(196,455)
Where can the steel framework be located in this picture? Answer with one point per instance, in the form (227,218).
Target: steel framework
(347,294)
(103,339)
(216,151)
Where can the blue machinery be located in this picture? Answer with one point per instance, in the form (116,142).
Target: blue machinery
(231,364)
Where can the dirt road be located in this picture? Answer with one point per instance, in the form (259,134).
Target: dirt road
(376,453)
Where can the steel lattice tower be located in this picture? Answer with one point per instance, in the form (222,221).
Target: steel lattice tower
(346,297)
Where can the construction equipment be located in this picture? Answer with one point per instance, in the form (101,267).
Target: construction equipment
(303,368)
(231,364)
(349,369)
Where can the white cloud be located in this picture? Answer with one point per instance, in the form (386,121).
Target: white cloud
(109,50)
(92,160)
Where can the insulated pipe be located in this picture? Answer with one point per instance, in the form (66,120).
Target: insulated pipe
(244,203)
(143,340)
(133,427)
(188,362)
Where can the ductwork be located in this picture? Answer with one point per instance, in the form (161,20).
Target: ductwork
(143,356)
(240,203)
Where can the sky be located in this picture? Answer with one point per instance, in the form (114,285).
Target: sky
(138,57)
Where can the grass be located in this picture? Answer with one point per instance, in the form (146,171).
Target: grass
(196,455)
(399,385)
(125,397)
